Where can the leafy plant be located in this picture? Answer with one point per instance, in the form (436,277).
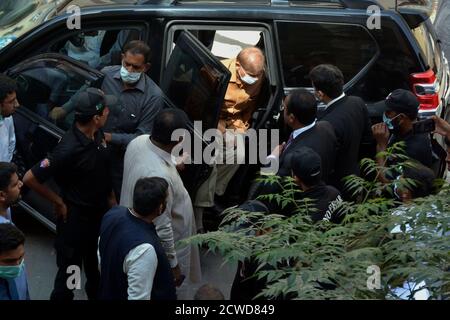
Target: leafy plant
(298,259)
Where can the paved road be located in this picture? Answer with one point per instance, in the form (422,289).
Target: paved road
(40,260)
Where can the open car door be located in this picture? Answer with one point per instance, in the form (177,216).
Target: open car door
(195,81)
(44,81)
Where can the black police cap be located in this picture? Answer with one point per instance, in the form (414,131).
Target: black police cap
(92,101)
(306,163)
(402,101)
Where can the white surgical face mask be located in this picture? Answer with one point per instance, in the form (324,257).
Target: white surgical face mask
(129,77)
(249,80)
(246,78)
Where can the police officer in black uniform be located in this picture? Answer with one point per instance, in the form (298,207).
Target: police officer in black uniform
(80,166)
(402,109)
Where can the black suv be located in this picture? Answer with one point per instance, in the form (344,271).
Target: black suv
(189,38)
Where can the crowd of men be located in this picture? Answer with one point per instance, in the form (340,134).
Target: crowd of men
(122,205)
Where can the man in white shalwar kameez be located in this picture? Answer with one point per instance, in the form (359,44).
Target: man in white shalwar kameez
(150,157)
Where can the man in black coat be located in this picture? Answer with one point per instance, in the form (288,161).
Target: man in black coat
(349,117)
(300,113)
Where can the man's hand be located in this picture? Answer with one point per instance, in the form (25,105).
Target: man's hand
(278,150)
(381,134)
(442,126)
(108,137)
(178,277)
(61,210)
(57,113)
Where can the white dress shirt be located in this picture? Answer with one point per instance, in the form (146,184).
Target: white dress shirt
(299,131)
(7,139)
(140,266)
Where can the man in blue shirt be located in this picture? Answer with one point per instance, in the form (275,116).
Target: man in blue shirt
(11,288)
(139,101)
(9,190)
(13,279)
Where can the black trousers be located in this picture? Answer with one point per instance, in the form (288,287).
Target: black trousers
(76,246)
(244,286)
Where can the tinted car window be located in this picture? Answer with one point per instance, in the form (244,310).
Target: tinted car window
(195,84)
(349,47)
(44,85)
(393,67)
(97,48)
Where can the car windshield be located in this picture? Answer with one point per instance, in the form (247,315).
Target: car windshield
(19,16)
(12,11)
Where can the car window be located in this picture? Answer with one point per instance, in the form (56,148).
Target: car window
(46,84)
(349,47)
(12,11)
(224,43)
(19,16)
(97,48)
(393,67)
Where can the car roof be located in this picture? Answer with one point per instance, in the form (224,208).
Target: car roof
(96,3)
(351,4)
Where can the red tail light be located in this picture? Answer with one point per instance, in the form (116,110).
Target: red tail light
(426,87)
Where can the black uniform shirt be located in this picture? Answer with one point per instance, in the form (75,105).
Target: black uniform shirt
(325,199)
(80,167)
(327,202)
(417,147)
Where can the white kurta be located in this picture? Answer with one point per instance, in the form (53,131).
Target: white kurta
(144,159)
(7,139)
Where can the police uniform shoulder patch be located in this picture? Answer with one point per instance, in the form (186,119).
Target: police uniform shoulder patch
(45,163)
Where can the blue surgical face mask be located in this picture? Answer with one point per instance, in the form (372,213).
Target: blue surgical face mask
(129,77)
(388,121)
(11,272)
